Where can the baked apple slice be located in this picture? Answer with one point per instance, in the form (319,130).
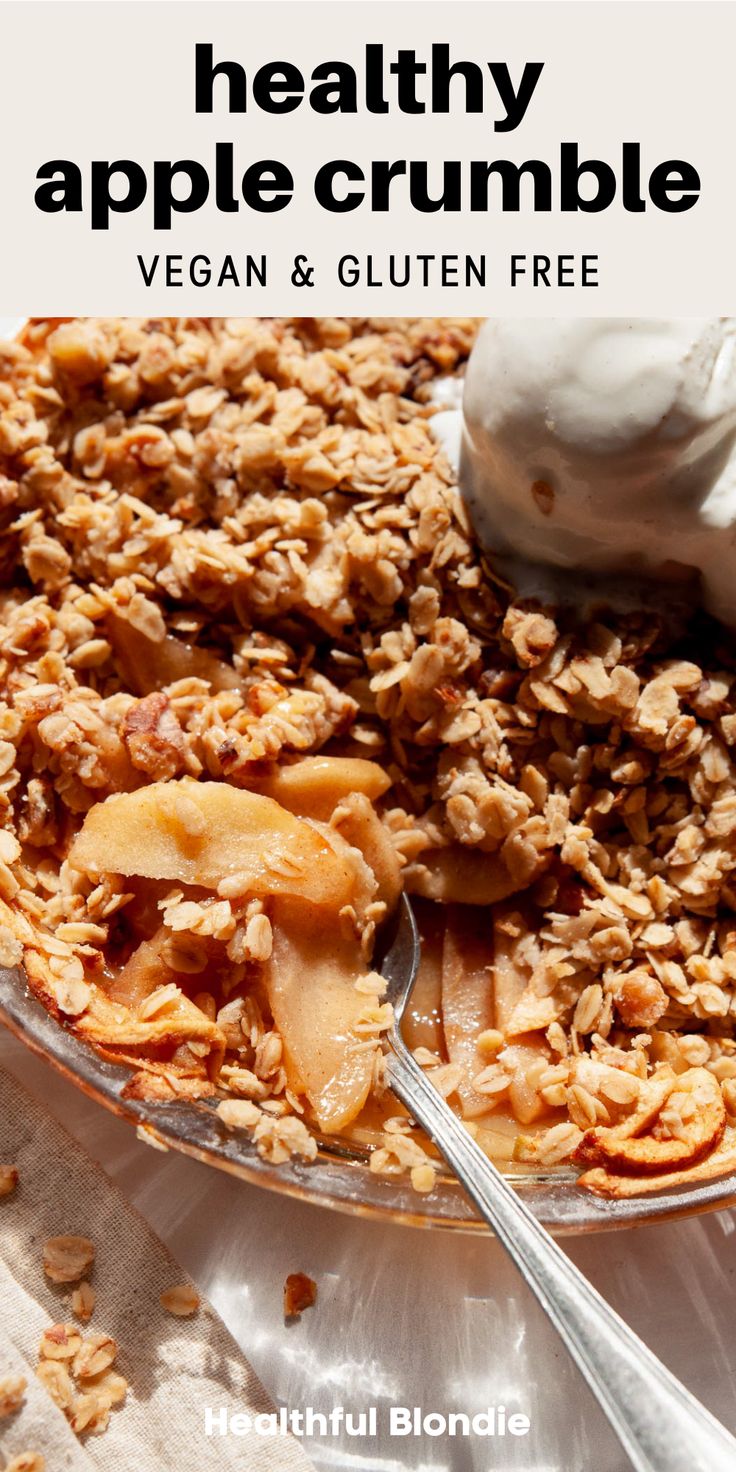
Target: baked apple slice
(202,833)
(358,823)
(149,664)
(467,998)
(310,980)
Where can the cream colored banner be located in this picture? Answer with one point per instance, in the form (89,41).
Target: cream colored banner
(97,106)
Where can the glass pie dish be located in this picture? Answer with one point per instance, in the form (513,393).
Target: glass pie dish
(339,1178)
(252,651)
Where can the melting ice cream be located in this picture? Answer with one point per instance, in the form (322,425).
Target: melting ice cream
(604,451)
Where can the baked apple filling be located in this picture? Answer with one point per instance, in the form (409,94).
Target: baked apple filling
(295,898)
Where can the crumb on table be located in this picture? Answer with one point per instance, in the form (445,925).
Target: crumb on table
(300,1292)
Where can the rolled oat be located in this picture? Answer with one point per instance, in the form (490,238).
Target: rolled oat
(246,550)
(182,1301)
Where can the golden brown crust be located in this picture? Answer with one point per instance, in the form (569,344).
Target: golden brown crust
(680,1120)
(721,1162)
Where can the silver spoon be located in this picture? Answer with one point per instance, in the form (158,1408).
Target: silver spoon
(662,1427)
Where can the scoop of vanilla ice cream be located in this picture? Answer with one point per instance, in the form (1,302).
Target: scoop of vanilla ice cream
(605,449)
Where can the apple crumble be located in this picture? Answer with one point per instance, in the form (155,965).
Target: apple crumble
(257,678)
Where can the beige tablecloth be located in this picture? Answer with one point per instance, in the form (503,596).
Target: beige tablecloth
(175,1367)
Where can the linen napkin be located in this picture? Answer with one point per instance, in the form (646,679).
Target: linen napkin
(175,1367)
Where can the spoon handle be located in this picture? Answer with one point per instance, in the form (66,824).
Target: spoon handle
(662,1427)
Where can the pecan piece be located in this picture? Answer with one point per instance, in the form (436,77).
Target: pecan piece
(154,738)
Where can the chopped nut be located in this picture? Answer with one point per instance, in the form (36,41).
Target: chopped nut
(154,738)
(26,1462)
(640,999)
(67,1259)
(12,1393)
